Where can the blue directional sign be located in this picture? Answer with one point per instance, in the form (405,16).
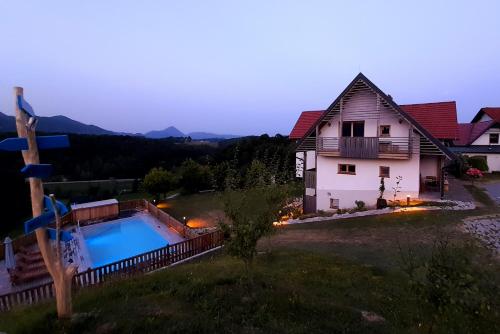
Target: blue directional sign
(25,106)
(42,220)
(50,142)
(63,235)
(14,144)
(40,171)
(61,208)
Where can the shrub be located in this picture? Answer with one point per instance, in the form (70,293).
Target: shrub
(360,205)
(452,292)
(195,177)
(479,163)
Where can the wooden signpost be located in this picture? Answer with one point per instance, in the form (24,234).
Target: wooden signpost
(29,144)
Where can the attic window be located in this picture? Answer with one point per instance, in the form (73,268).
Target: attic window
(493,138)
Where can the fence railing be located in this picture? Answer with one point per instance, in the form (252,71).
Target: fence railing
(142,263)
(366,147)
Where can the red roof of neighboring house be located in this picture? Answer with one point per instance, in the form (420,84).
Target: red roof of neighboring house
(304,123)
(494,113)
(468,132)
(439,118)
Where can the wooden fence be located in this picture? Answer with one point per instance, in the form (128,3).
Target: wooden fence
(170,221)
(143,263)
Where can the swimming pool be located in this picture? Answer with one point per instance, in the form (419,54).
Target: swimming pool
(123,238)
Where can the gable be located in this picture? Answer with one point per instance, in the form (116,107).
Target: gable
(486,114)
(362,86)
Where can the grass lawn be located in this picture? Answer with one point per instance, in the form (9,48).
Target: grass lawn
(200,210)
(308,278)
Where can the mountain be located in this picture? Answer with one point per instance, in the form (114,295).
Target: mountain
(208,135)
(63,124)
(55,124)
(171,131)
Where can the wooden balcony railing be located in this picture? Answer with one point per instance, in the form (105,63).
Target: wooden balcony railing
(365,147)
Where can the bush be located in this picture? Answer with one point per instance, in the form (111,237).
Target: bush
(360,205)
(454,294)
(479,163)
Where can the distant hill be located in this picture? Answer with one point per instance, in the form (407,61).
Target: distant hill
(63,124)
(171,131)
(208,135)
(56,124)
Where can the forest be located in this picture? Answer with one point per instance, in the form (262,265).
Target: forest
(196,165)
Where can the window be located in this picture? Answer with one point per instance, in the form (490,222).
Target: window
(384,171)
(385,131)
(334,203)
(493,138)
(347,169)
(353,129)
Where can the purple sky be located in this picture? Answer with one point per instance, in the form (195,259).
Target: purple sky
(241,67)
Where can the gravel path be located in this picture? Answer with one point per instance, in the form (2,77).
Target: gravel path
(487,229)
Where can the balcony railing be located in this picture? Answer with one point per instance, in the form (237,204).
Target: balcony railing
(365,147)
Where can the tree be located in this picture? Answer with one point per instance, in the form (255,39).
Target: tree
(158,181)
(195,177)
(252,213)
(257,175)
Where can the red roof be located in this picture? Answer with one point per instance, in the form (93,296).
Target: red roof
(468,132)
(439,118)
(494,113)
(304,123)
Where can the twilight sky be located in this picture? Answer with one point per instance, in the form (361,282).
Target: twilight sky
(241,67)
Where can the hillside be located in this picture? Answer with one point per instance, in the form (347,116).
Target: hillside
(55,124)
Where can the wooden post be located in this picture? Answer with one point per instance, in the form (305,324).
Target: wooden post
(62,276)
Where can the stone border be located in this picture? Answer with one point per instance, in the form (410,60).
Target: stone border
(486,229)
(454,205)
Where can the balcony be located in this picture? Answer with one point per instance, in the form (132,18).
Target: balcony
(365,147)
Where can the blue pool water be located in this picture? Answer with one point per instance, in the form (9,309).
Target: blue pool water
(114,241)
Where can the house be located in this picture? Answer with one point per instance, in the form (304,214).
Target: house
(481,137)
(363,136)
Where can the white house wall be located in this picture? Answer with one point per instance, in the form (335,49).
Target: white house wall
(365,184)
(492,159)
(485,118)
(484,139)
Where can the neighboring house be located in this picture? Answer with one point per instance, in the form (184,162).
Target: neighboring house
(344,151)
(481,137)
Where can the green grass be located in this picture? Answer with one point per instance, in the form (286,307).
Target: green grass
(313,277)
(206,206)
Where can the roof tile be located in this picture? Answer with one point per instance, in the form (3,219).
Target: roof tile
(439,118)
(304,123)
